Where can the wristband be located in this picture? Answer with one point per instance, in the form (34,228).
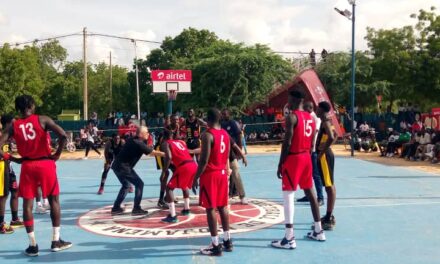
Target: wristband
(6,156)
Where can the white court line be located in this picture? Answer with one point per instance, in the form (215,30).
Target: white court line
(377,205)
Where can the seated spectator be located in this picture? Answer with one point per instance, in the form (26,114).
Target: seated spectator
(364,129)
(401,139)
(264,136)
(425,140)
(391,146)
(417,125)
(436,147)
(252,136)
(412,144)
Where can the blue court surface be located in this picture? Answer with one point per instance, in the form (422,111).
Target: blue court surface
(384,214)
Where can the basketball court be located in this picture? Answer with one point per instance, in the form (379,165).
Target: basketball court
(384,214)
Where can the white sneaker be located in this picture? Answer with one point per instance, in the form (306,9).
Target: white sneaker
(40,209)
(101,156)
(84,158)
(46,206)
(244,201)
(316,236)
(284,243)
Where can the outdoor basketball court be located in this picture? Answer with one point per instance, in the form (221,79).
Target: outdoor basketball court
(384,215)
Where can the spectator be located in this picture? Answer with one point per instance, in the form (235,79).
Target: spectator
(324,55)
(109,121)
(252,136)
(436,147)
(410,152)
(422,148)
(92,134)
(312,55)
(417,125)
(364,128)
(94,118)
(403,138)
(264,136)
(231,126)
(118,116)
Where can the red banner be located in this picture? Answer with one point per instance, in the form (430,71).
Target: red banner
(171,76)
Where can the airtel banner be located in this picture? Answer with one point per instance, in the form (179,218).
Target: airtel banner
(171,76)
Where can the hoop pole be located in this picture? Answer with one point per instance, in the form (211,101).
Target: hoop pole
(170,107)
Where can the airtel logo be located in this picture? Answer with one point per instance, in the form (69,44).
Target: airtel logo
(160,75)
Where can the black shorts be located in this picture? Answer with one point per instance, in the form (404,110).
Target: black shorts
(326,167)
(193,143)
(8,181)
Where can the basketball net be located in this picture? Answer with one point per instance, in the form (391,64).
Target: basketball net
(172,95)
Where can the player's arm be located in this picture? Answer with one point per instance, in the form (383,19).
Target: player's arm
(107,152)
(204,158)
(6,134)
(201,122)
(291,121)
(195,151)
(48,124)
(330,139)
(165,148)
(237,151)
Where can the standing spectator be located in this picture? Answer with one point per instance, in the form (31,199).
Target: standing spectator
(417,125)
(91,133)
(243,135)
(94,118)
(312,55)
(110,119)
(118,116)
(144,116)
(324,55)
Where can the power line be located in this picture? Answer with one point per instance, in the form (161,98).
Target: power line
(124,38)
(45,39)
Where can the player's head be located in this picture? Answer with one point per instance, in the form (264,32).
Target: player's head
(191,112)
(174,119)
(167,134)
(213,117)
(226,115)
(296,99)
(142,133)
(308,106)
(25,104)
(116,138)
(323,109)
(6,119)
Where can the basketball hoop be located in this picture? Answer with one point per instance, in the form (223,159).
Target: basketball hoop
(172,95)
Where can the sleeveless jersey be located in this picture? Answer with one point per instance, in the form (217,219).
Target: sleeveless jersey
(33,142)
(322,135)
(179,152)
(192,129)
(219,150)
(303,133)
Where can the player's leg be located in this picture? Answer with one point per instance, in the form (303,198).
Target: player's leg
(28,219)
(224,217)
(327,172)
(93,146)
(104,177)
(13,203)
(138,192)
(55,215)
(214,249)
(88,145)
(288,241)
(4,228)
(186,203)
(169,198)
(163,185)
(317,179)
(317,233)
(4,192)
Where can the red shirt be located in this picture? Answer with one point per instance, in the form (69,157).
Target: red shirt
(219,150)
(32,140)
(179,152)
(303,133)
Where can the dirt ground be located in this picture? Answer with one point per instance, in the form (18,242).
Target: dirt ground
(339,150)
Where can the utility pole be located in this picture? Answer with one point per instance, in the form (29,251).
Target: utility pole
(137,82)
(111,79)
(86,110)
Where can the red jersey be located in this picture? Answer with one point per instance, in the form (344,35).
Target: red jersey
(32,140)
(219,150)
(303,133)
(179,152)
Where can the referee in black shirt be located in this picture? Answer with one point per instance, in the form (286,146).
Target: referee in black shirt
(123,166)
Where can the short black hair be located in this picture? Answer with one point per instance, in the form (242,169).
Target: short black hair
(24,102)
(325,106)
(6,119)
(213,115)
(166,134)
(296,94)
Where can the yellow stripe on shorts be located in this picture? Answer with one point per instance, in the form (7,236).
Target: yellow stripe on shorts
(326,171)
(2,178)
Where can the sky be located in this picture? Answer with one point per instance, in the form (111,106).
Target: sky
(283,25)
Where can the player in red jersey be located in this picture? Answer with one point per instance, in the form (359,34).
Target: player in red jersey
(176,151)
(38,166)
(213,172)
(295,168)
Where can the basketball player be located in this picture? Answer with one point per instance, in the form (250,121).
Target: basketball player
(308,106)
(326,162)
(213,172)
(8,184)
(192,128)
(123,166)
(295,168)
(163,176)
(38,167)
(174,126)
(177,152)
(111,150)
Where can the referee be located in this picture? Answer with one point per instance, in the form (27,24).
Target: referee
(123,166)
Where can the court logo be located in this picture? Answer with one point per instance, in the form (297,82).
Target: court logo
(256,215)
